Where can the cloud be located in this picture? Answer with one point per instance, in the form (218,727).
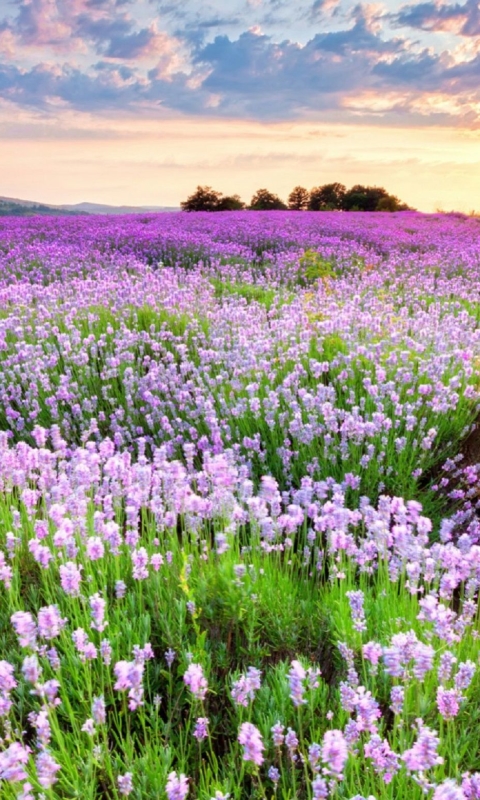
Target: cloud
(461,19)
(140,57)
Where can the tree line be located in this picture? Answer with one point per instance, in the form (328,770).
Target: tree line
(329,197)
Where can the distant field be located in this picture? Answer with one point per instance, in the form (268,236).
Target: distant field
(239,506)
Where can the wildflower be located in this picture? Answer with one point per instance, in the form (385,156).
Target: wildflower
(170,657)
(243,690)
(95,548)
(334,753)
(448,702)
(196,681)
(464,676)
(31,669)
(291,743)
(250,738)
(70,578)
(25,628)
(319,788)
(125,784)
(448,790)
(278,735)
(120,591)
(50,623)
(372,652)
(97,606)
(177,786)
(296,677)
(12,763)
(47,769)
(356,600)
(201,728)
(99,710)
(397,696)
(423,755)
(89,727)
(274,775)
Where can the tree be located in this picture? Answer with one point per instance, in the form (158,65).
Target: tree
(230,203)
(391,203)
(263,200)
(298,199)
(203,199)
(328,197)
(364,198)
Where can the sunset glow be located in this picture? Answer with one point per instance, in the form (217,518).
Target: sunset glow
(137,102)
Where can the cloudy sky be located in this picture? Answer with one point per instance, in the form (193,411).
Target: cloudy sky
(138,101)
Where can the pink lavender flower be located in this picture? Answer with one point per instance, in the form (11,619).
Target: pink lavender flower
(129,675)
(319,788)
(356,600)
(314,755)
(296,677)
(201,728)
(12,763)
(278,734)
(471,786)
(274,775)
(423,755)
(95,548)
(106,652)
(334,753)
(41,723)
(140,564)
(243,690)
(250,738)
(448,790)
(7,681)
(31,669)
(448,702)
(70,578)
(89,727)
(177,786)
(385,761)
(291,743)
(97,607)
(397,696)
(47,769)
(25,628)
(125,784)
(447,660)
(120,591)
(196,681)
(99,713)
(464,676)
(372,652)
(50,622)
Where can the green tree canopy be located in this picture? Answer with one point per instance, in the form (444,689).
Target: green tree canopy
(298,199)
(263,200)
(328,197)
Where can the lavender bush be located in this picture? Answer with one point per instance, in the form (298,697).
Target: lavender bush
(240,554)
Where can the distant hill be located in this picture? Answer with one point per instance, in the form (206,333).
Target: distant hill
(11,206)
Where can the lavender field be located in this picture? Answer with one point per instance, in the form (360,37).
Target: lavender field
(240,506)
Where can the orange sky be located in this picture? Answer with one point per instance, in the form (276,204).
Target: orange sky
(138,101)
(159,163)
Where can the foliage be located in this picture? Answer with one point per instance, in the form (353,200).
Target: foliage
(263,200)
(298,199)
(329,197)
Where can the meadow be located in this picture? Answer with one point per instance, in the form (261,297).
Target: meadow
(239,506)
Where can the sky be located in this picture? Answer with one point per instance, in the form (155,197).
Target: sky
(138,101)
